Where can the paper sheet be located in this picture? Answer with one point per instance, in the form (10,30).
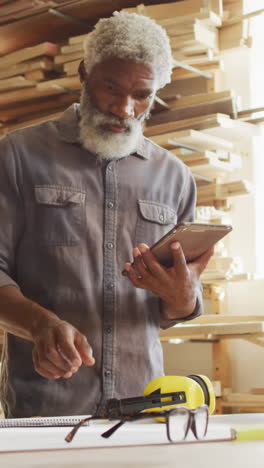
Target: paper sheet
(131,433)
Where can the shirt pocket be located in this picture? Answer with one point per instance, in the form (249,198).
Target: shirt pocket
(59,214)
(153,221)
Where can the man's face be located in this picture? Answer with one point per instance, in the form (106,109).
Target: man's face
(116,98)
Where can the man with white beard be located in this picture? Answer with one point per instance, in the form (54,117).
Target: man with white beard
(80,196)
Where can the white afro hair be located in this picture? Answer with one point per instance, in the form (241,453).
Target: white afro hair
(130,36)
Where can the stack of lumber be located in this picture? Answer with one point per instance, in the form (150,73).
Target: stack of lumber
(29,79)
(71,55)
(27,65)
(191,26)
(217,24)
(213,193)
(207,163)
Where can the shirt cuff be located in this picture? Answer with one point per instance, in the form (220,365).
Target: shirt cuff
(199,309)
(5,280)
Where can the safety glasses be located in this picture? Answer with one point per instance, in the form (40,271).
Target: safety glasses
(179,421)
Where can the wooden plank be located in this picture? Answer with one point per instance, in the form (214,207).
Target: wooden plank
(72,48)
(71,68)
(218,329)
(185,87)
(236,277)
(43,63)
(180,73)
(21,112)
(207,16)
(46,88)
(194,59)
(197,35)
(195,123)
(212,168)
(46,48)
(221,369)
(192,138)
(184,109)
(63,58)
(197,99)
(235,35)
(36,75)
(206,194)
(28,123)
(243,398)
(257,391)
(231,160)
(226,318)
(15,83)
(77,39)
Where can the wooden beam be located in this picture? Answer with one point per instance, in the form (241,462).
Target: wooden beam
(192,138)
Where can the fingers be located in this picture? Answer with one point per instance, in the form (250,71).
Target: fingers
(84,349)
(60,351)
(48,363)
(144,268)
(179,260)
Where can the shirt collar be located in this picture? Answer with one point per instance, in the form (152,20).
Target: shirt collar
(68,129)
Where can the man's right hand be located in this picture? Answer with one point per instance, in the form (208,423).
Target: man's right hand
(59,350)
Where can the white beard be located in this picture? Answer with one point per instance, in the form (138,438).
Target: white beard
(106,144)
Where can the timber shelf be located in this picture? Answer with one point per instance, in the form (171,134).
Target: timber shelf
(217,329)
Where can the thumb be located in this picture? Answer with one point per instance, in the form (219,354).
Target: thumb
(84,349)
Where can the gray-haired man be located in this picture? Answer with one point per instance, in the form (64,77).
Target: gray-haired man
(77,194)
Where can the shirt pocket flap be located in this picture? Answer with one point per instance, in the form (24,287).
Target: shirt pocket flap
(157,212)
(58,195)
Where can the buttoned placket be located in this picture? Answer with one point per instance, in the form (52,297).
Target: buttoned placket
(109,267)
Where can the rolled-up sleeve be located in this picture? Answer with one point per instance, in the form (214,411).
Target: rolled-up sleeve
(11,213)
(186,213)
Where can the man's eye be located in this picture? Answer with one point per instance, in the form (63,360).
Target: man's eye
(110,87)
(142,97)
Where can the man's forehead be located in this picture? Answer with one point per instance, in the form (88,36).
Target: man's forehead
(115,68)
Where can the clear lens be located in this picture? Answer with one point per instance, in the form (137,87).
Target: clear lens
(201,422)
(178,424)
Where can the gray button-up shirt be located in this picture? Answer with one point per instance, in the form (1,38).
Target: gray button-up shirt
(68,225)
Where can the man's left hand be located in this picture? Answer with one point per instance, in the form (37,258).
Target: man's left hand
(176,285)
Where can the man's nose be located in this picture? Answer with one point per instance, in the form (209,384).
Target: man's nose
(124,107)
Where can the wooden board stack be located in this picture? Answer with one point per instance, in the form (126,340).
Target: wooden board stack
(29,78)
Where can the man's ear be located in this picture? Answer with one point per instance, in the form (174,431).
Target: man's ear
(81,71)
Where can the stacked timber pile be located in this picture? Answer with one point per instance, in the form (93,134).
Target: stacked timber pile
(29,79)
(194,116)
(28,83)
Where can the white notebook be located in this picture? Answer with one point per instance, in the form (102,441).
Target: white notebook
(53,421)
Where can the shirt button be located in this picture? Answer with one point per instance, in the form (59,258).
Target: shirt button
(161,217)
(110,245)
(107,373)
(110,286)
(110,205)
(109,168)
(108,330)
